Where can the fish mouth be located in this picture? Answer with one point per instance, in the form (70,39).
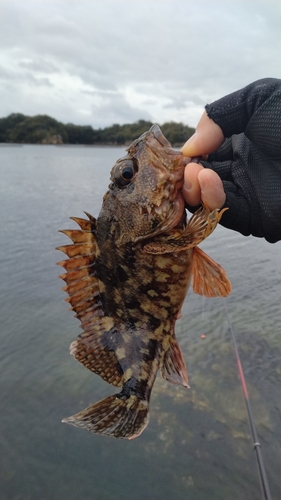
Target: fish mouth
(174,205)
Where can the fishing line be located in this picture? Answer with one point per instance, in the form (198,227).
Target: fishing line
(257,446)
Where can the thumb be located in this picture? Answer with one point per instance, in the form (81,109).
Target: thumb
(207,138)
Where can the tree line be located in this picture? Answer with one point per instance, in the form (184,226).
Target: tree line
(42,129)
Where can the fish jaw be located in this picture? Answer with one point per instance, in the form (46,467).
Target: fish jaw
(168,201)
(175,215)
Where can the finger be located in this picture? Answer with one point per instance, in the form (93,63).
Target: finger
(222,168)
(239,215)
(191,189)
(207,138)
(224,153)
(211,188)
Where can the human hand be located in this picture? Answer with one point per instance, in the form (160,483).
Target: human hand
(241,134)
(203,184)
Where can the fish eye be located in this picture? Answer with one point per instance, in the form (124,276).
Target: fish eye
(127,173)
(124,172)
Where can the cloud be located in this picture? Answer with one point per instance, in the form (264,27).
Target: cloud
(39,65)
(105,61)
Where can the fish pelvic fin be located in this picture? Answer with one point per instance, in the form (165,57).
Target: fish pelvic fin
(209,278)
(115,416)
(173,368)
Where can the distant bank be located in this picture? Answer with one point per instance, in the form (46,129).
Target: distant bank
(42,129)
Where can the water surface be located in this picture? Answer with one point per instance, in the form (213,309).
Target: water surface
(198,444)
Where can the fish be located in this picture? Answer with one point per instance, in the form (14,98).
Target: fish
(127,274)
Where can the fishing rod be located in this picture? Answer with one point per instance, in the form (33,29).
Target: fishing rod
(257,446)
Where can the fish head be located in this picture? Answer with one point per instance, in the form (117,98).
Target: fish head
(144,198)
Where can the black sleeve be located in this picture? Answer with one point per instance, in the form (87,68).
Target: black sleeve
(249,161)
(254,110)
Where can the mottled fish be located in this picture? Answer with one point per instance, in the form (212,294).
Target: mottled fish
(127,275)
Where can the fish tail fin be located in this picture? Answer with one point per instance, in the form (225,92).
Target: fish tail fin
(114,416)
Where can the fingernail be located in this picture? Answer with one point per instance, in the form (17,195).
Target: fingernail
(186,146)
(187,149)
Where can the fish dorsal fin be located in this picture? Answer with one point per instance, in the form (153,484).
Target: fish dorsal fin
(82,287)
(209,278)
(173,368)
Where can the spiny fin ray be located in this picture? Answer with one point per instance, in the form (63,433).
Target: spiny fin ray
(202,224)
(113,416)
(92,351)
(173,368)
(209,278)
(83,291)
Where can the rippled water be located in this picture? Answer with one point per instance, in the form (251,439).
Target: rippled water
(198,444)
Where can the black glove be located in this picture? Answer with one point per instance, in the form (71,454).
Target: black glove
(249,161)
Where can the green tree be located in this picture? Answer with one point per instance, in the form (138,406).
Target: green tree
(7,124)
(40,129)
(80,134)
(177,133)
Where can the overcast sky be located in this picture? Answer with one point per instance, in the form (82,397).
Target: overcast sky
(99,62)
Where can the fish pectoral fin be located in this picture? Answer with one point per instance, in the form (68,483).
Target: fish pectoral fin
(173,368)
(114,416)
(200,226)
(203,222)
(160,247)
(174,241)
(209,278)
